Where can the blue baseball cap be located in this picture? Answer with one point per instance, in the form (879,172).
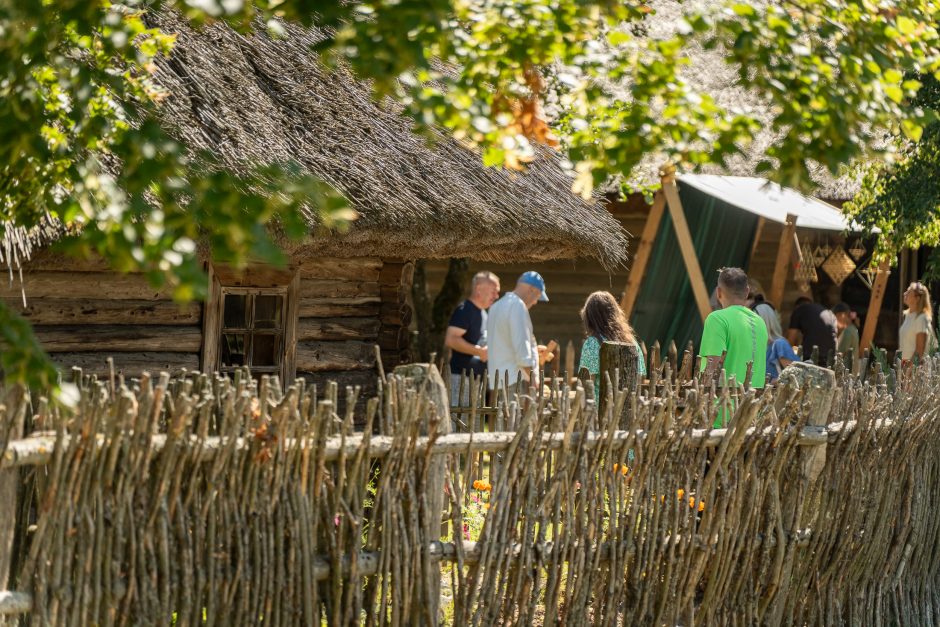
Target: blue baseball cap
(535,279)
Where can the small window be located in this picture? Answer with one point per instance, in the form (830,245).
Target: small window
(250,326)
(252,330)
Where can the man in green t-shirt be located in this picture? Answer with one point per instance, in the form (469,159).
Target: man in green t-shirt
(736,331)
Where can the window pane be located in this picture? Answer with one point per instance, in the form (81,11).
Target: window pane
(236,306)
(268,311)
(233,349)
(265,349)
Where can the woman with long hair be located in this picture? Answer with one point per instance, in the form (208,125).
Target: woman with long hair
(779,352)
(604,321)
(917,329)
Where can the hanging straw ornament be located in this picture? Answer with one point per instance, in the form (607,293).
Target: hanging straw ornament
(838,265)
(806,271)
(858,250)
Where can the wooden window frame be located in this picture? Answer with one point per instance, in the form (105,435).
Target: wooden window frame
(254,280)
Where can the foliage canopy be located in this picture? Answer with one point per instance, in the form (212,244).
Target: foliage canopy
(80,143)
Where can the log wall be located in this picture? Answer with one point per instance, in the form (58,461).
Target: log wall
(82,313)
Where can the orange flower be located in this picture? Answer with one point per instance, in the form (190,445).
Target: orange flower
(623,469)
(486,506)
(481,485)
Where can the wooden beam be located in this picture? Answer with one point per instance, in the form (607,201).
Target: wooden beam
(686,246)
(643,252)
(758,231)
(784,250)
(878,289)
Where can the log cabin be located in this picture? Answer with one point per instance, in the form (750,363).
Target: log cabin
(251,99)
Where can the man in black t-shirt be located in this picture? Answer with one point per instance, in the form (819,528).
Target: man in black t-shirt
(818,327)
(466,333)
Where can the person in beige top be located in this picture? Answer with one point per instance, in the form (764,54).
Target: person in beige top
(916,330)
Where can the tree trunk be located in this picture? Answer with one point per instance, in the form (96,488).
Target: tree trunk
(432,319)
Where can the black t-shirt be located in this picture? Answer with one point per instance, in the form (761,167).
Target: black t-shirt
(470,317)
(818,326)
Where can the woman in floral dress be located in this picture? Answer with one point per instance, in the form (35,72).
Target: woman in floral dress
(604,321)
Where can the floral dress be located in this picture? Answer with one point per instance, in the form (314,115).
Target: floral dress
(591,357)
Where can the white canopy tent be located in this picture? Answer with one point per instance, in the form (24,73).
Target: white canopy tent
(770,200)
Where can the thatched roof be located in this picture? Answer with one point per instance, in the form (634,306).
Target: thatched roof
(251,99)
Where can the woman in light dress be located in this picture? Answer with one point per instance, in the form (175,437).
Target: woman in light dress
(604,321)
(917,329)
(779,352)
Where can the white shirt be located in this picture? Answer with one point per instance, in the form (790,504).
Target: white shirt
(511,341)
(914,323)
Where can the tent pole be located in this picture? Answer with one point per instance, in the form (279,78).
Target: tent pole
(758,231)
(784,251)
(878,289)
(686,245)
(643,252)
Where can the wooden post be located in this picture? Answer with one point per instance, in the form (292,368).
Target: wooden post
(569,362)
(643,252)
(9,482)
(758,231)
(820,386)
(878,289)
(686,246)
(428,377)
(620,360)
(784,250)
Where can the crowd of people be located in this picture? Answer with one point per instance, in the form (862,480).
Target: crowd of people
(494,336)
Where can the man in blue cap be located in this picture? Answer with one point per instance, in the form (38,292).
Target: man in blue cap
(513,351)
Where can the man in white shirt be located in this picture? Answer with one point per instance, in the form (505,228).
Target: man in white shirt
(513,351)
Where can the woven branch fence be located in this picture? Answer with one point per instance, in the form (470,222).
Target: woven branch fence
(203,500)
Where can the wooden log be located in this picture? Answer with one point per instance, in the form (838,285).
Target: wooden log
(782,265)
(367,380)
(686,245)
(129,364)
(878,289)
(817,401)
(619,361)
(49,259)
(366,329)
(570,371)
(46,311)
(428,377)
(352,268)
(321,356)
(755,245)
(85,285)
(325,288)
(338,307)
(254,275)
(395,271)
(643,252)
(120,338)
(9,483)
(38,450)
(393,294)
(394,337)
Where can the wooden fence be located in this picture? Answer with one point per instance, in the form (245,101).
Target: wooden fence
(204,500)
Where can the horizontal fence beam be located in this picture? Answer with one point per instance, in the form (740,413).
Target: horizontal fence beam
(38,450)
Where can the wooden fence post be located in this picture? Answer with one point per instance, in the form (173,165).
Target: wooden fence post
(621,360)
(11,428)
(428,378)
(820,388)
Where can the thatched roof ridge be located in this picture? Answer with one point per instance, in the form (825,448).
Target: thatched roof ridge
(251,99)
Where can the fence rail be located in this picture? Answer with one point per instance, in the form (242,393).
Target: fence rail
(221,502)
